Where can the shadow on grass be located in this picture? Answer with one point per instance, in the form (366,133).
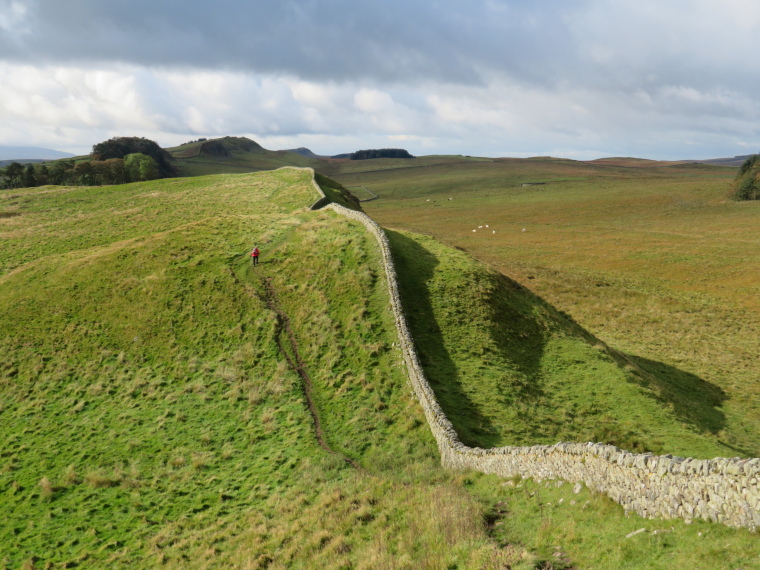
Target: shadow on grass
(520,326)
(415,267)
(694,401)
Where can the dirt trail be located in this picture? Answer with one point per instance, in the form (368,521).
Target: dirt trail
(296,364)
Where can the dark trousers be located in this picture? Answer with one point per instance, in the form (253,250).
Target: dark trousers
(255,260)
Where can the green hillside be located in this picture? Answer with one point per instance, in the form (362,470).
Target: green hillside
(509,369)
(158,395)
(231,155)
(149,414)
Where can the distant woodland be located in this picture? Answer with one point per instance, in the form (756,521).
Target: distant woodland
(380,153)
(116,161)
(747,183)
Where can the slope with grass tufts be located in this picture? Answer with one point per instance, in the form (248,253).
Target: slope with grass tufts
(149,413)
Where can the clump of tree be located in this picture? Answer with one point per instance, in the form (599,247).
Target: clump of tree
(747,183)
(380,153)
(11,176)
(135,167)
(202,139)
(17,175)
(121,147)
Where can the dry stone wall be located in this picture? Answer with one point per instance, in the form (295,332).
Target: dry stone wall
(720,490)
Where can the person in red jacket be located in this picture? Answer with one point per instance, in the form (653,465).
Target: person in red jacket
(255,256)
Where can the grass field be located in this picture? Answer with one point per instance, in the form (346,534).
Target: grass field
(653,261)
(149,414)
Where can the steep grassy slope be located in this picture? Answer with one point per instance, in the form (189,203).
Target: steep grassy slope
(653,261)
(148,410)
(509,369)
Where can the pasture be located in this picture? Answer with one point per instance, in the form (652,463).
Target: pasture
(652,260)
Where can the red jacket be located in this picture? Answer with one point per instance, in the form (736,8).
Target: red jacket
(255,252)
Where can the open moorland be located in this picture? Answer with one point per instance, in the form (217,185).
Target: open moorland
(651,259)
(164,403)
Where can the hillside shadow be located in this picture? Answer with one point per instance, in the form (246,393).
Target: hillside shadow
(415,268)
(515,313)
(520,327)
(693,400)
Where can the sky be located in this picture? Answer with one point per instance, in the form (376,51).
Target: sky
(581,79)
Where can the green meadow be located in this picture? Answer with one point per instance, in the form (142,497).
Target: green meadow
(652,260)
(149,414)
(154,408)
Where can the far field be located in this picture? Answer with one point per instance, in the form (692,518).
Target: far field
(651,258)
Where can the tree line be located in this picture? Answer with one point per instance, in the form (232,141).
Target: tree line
(116,161)
(380,153)
(134,167)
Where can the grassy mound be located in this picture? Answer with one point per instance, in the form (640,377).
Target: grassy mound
(508,369)
(148,414)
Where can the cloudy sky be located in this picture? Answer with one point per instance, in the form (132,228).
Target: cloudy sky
(574,78)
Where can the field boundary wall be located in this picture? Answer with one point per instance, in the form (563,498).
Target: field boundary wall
(720,490)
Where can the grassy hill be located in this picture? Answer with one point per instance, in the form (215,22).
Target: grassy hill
(153,394)
(149,415)
(232,155)
(509,369)
(653,261)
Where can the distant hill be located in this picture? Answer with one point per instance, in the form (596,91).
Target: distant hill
(735,161)
(27,153)
(4,163)
(303,151)
(629,162)
(233,154)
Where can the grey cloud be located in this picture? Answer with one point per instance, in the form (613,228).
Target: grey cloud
(393,40)
(622,45)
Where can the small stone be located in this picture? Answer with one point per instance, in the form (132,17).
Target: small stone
(635,532)
(577,488)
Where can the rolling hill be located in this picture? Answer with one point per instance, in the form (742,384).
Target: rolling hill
(232,155)
(164,403)
(12,153)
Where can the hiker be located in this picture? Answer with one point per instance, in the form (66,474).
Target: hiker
(255,256)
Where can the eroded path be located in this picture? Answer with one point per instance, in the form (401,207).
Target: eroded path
(288,346)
